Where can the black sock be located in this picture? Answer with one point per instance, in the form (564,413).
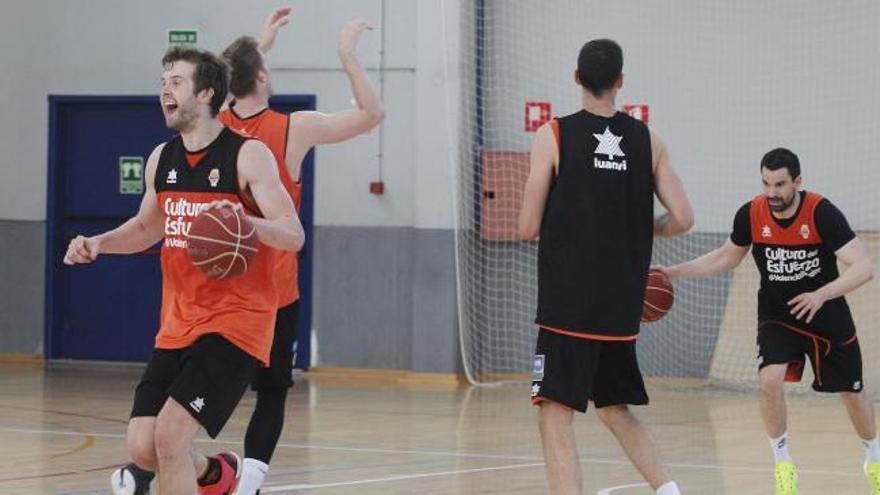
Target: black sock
(266,423)
(142,478)
(212,473)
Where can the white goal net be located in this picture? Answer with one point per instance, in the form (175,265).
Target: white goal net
(721,83)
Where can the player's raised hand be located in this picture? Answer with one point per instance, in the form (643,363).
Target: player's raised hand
(276,20)
(82,250)
(807,304)
(351,34)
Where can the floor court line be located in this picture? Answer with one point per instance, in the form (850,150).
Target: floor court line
(612,489)
(58,474)
(344,448)
(457,455)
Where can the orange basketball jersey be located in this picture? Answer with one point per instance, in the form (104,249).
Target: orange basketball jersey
(241,309)
(271,128)
(802,231)
(794,258)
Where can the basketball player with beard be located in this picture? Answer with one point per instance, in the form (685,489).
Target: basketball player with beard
(797,238)
(213,333)
(289,137)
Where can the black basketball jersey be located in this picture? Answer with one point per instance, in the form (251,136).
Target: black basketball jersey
(597,231)
(794,258)
(242,309)
(212,170)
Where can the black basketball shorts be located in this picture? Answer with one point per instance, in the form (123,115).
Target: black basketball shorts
(573,371)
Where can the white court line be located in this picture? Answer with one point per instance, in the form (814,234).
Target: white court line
(607,491)
(458,455)
(395,477)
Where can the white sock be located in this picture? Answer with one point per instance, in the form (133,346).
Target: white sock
(780,448)
(253,472)
(872,450)
(668,488)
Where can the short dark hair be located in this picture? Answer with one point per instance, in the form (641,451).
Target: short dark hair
(600,63)
(782,158)
(210,72)
(245,62)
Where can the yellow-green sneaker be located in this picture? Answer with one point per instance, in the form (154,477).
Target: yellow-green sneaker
(872,470)
(787,478)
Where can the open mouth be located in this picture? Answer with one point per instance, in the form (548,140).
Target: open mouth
(169,107)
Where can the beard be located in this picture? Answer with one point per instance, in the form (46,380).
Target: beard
(781,204)
(183,119)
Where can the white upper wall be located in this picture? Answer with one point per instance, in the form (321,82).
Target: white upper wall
(437,107)
(725,81)
(113,47)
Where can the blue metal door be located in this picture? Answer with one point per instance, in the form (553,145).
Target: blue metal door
(289,104)
(110,310)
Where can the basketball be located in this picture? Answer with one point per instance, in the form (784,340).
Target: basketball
(658,296)
(222,242)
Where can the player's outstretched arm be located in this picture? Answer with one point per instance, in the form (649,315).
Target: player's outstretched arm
(308,129)
(859,270)
(716,262)
(280,227)
(542,166)
(138,233)
(680,216)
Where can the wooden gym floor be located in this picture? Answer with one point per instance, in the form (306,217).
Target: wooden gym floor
(62,432)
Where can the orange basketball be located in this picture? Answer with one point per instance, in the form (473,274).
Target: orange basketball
(222,243)
(658,296)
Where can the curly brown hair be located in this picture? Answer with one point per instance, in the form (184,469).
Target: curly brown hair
(210,72)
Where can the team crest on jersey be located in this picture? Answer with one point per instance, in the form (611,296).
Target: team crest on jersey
(609,145)
(805,231)
(214,177)
(765,232)
(172,177)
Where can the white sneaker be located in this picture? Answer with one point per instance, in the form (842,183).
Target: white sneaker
(252,476)
(122,482)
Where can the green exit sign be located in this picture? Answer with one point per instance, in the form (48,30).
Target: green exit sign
(182,36)
(131,175)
